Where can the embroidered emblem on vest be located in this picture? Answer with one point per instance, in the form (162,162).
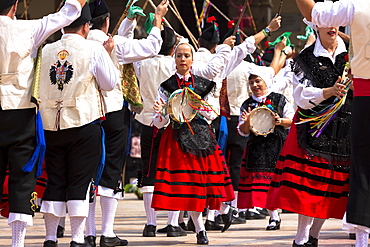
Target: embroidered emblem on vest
(61,72)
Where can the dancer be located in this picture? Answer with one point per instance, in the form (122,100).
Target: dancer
(311,176)
(116,126)
(186,184)
(356,14)
(73,71)
(20,41)
(262,151)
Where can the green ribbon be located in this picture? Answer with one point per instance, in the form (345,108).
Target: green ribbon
(280,38)
(309,31)
(148,25)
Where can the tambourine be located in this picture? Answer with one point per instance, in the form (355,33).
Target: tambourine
(179,108)
(262,121)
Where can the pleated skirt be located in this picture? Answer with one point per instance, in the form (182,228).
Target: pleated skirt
(188,182)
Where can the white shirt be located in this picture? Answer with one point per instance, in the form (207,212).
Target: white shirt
(43,28)
(288,112)
(160,121)
(130,50)
(303,93)
(210,65)
(283,82)
(101,66)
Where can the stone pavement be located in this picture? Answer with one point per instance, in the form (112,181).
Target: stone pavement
(130,220)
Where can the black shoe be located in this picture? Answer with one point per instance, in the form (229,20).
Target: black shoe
(112,241)
(263,211)
(352,236)
(202,237)
(238,220)
(273,227)
(50,243)
(298,245)
(219,219)
(191,226)
(212,226)
(75,244)
(91,240)
(60,231)
(243,214)
(312,242)
(183,226)
(149,231)
(162,230)
(228,218)
(249,215)
(175,231)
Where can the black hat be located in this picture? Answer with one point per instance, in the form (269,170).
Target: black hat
(211,34)
(98,8)
(4,4)
(231,27)
(169,39)
(268,56)
(84,18)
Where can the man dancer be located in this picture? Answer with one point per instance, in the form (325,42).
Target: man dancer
(20,40)
(73,71)
(117,123)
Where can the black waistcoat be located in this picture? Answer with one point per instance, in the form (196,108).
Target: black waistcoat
(203,142)
(334,143)
(263,151)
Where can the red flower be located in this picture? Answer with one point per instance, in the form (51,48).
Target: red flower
(268,102)
(346,57)
(267,44)
(211,18)
(230,24)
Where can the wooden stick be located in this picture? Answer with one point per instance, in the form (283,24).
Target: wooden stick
(26,6)
(196,16)
(123,16)
(280,7)
(224,16)
(177,14)
(251,15)
(240,17)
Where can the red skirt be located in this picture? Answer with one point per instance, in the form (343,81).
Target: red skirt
(308,185)
(253,188)
(188,182)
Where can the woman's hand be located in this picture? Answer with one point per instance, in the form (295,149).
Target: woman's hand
(158,105)
(245,114)
(244,127)
(277,120)
(338,90)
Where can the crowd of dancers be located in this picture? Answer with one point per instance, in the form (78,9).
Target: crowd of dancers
(225,128)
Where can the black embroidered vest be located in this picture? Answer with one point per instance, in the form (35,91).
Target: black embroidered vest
(334,143)
(263,151)
(203,142)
